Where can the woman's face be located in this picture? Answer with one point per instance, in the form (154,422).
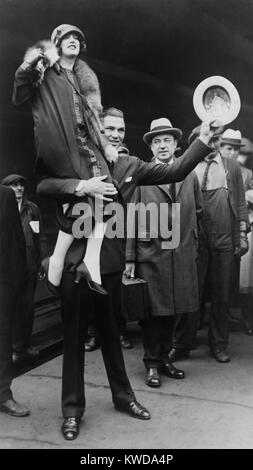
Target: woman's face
(70,45)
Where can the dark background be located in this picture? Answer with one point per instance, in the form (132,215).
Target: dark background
(149,55)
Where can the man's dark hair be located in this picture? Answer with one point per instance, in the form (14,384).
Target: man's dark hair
(113,112)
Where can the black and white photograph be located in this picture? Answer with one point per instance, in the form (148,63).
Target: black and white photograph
(126,225)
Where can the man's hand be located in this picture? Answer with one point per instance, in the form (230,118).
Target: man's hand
(96,187)
(243,247)
(206,132)
(244,244)
(130,270)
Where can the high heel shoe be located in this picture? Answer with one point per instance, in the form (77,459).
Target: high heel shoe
(82,271)
(54,290)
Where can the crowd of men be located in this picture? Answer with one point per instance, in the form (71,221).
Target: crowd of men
(214,191)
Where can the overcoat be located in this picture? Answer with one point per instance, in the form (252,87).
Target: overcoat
(171,274)
(57,152)
(12,275)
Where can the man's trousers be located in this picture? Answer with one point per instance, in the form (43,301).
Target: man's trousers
(76,301)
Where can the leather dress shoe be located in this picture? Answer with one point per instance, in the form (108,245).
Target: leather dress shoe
(176,354)
(125,344)
(70,428)
(153,378)
(134,409)
(220,355)
(13,408)
(92,344)
(172,372)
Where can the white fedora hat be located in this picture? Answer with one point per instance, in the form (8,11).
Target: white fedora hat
(216,98)
(232,137)
(161,126)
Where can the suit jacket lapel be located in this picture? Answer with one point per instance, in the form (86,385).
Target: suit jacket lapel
(165,188)
(179,186)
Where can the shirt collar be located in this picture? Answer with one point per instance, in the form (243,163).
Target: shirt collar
(163,163)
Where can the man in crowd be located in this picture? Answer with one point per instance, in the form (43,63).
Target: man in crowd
(230,144)
(115,129)
(223,234)
(171,273)
(35,251)
(12,278)
(233,146)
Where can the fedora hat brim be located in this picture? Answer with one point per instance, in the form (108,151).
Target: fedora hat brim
(223,116)
(234,142)
(177,133)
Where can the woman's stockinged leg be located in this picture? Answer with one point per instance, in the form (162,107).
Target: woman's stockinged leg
(56,261)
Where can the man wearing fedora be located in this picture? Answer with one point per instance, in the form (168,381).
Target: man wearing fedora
(230,144)
(171,273)
(36,248)
(223,234)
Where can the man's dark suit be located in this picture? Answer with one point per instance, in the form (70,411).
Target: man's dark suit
(129,172)
(12,275)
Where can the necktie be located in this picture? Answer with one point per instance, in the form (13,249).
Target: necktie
(204,181)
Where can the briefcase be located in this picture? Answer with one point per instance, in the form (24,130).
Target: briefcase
(135,303)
